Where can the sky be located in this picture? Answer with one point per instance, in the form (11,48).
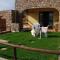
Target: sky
(7,5)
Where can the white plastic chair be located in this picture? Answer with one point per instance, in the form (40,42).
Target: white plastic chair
(43,30)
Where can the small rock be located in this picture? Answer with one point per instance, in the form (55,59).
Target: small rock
(3,49)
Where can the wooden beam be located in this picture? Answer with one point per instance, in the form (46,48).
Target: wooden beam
(57,52)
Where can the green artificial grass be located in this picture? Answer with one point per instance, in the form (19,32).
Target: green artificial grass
(52,42)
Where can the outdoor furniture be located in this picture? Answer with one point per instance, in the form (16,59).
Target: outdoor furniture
(39,30)
(43,30)
(35,29)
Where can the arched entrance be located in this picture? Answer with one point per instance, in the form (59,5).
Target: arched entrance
(45,16)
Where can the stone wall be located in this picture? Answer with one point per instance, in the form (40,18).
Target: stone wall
(10,26)
(22,5)
(7,16)
(29,4)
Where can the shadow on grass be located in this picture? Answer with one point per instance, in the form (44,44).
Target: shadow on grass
(53,36)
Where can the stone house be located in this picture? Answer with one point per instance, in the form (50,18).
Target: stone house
(7,21)
(28,12)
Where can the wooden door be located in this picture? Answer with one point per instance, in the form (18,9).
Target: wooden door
(2,25)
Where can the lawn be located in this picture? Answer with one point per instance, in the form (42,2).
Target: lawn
(51,42)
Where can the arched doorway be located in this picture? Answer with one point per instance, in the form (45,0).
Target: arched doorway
(45,16)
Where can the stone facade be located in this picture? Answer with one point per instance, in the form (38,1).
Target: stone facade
(7,16)
(22,5)
(31,5)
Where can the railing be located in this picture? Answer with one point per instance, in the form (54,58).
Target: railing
(57,52)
